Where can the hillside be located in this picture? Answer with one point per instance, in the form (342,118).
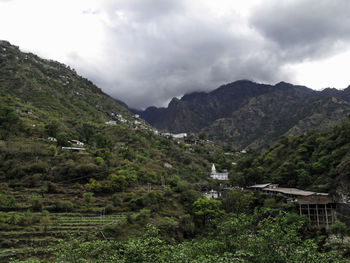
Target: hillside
(74,162)
(317,161)
(247,114)
(84,180)
(53,89)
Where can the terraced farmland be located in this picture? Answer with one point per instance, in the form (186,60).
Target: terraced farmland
(19,242)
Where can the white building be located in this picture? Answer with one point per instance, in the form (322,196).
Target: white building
(212,194)
(51,139)
(111,122)
(218,176)
(76,142)
(179,135)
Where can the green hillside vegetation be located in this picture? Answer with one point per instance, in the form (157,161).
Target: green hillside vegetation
(316,161)
(127,194)
(241,238)
(126,177)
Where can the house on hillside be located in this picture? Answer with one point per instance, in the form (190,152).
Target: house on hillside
(292,194)
(74,149)
(179,135)
(212,194)
(111,122)
(51,139)
(320,208)
(77,143)
(218,176)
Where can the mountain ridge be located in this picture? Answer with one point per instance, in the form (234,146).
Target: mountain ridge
(202,112)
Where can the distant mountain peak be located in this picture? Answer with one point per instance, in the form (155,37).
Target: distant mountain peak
(245,113)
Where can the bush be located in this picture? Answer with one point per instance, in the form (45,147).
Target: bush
(99,160)
(7,202)
(116,200)
(94,186)
(63,206)
(52,150)
(36,203)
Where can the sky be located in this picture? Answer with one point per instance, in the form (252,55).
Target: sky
(145,52)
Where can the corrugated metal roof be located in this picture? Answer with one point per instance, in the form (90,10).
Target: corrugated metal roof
(292,191)
(260,185)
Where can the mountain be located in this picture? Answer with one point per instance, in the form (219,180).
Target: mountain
(316,160)
(52,88)
(69,154)
(82,179)
(247,114)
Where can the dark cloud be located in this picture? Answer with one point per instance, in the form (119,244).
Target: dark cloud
(304,29)
(156,49)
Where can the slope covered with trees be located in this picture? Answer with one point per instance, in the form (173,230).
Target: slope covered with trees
(123,167)
(318,160)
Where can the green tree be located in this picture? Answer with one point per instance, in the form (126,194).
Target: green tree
(63,139)
(52,127)
(237,201)
(36,203)
(8,121)
(88,199)
(116,183)
(206,209)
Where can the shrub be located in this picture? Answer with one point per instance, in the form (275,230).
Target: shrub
(52,150)
(7,202)
(36,203)
(94,186)
(116,200)
(99,160)
(63,206)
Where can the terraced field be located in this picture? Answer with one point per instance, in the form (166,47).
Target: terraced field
(20,242)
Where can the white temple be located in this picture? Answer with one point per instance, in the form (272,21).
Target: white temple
(218,176)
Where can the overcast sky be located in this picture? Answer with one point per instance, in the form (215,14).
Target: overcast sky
(145,52)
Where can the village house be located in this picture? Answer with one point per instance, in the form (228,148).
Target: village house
(74,149)
(292,194)
(51,139)
(320,208)
(212,194)
(179,135)
(111,122)
(77,143)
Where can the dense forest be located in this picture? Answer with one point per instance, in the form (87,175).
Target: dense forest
(318,160)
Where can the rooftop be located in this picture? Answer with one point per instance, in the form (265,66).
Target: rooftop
(292,191)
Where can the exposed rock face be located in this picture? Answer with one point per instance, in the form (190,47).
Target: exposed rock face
(247,114)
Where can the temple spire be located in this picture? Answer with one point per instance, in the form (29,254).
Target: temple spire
(213,170)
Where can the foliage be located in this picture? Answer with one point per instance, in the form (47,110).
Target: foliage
(206,209)
(240,238)
(339,229)
(237,201)
(36,203)
(317,161)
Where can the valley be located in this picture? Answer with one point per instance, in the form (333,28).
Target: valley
(83,179)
